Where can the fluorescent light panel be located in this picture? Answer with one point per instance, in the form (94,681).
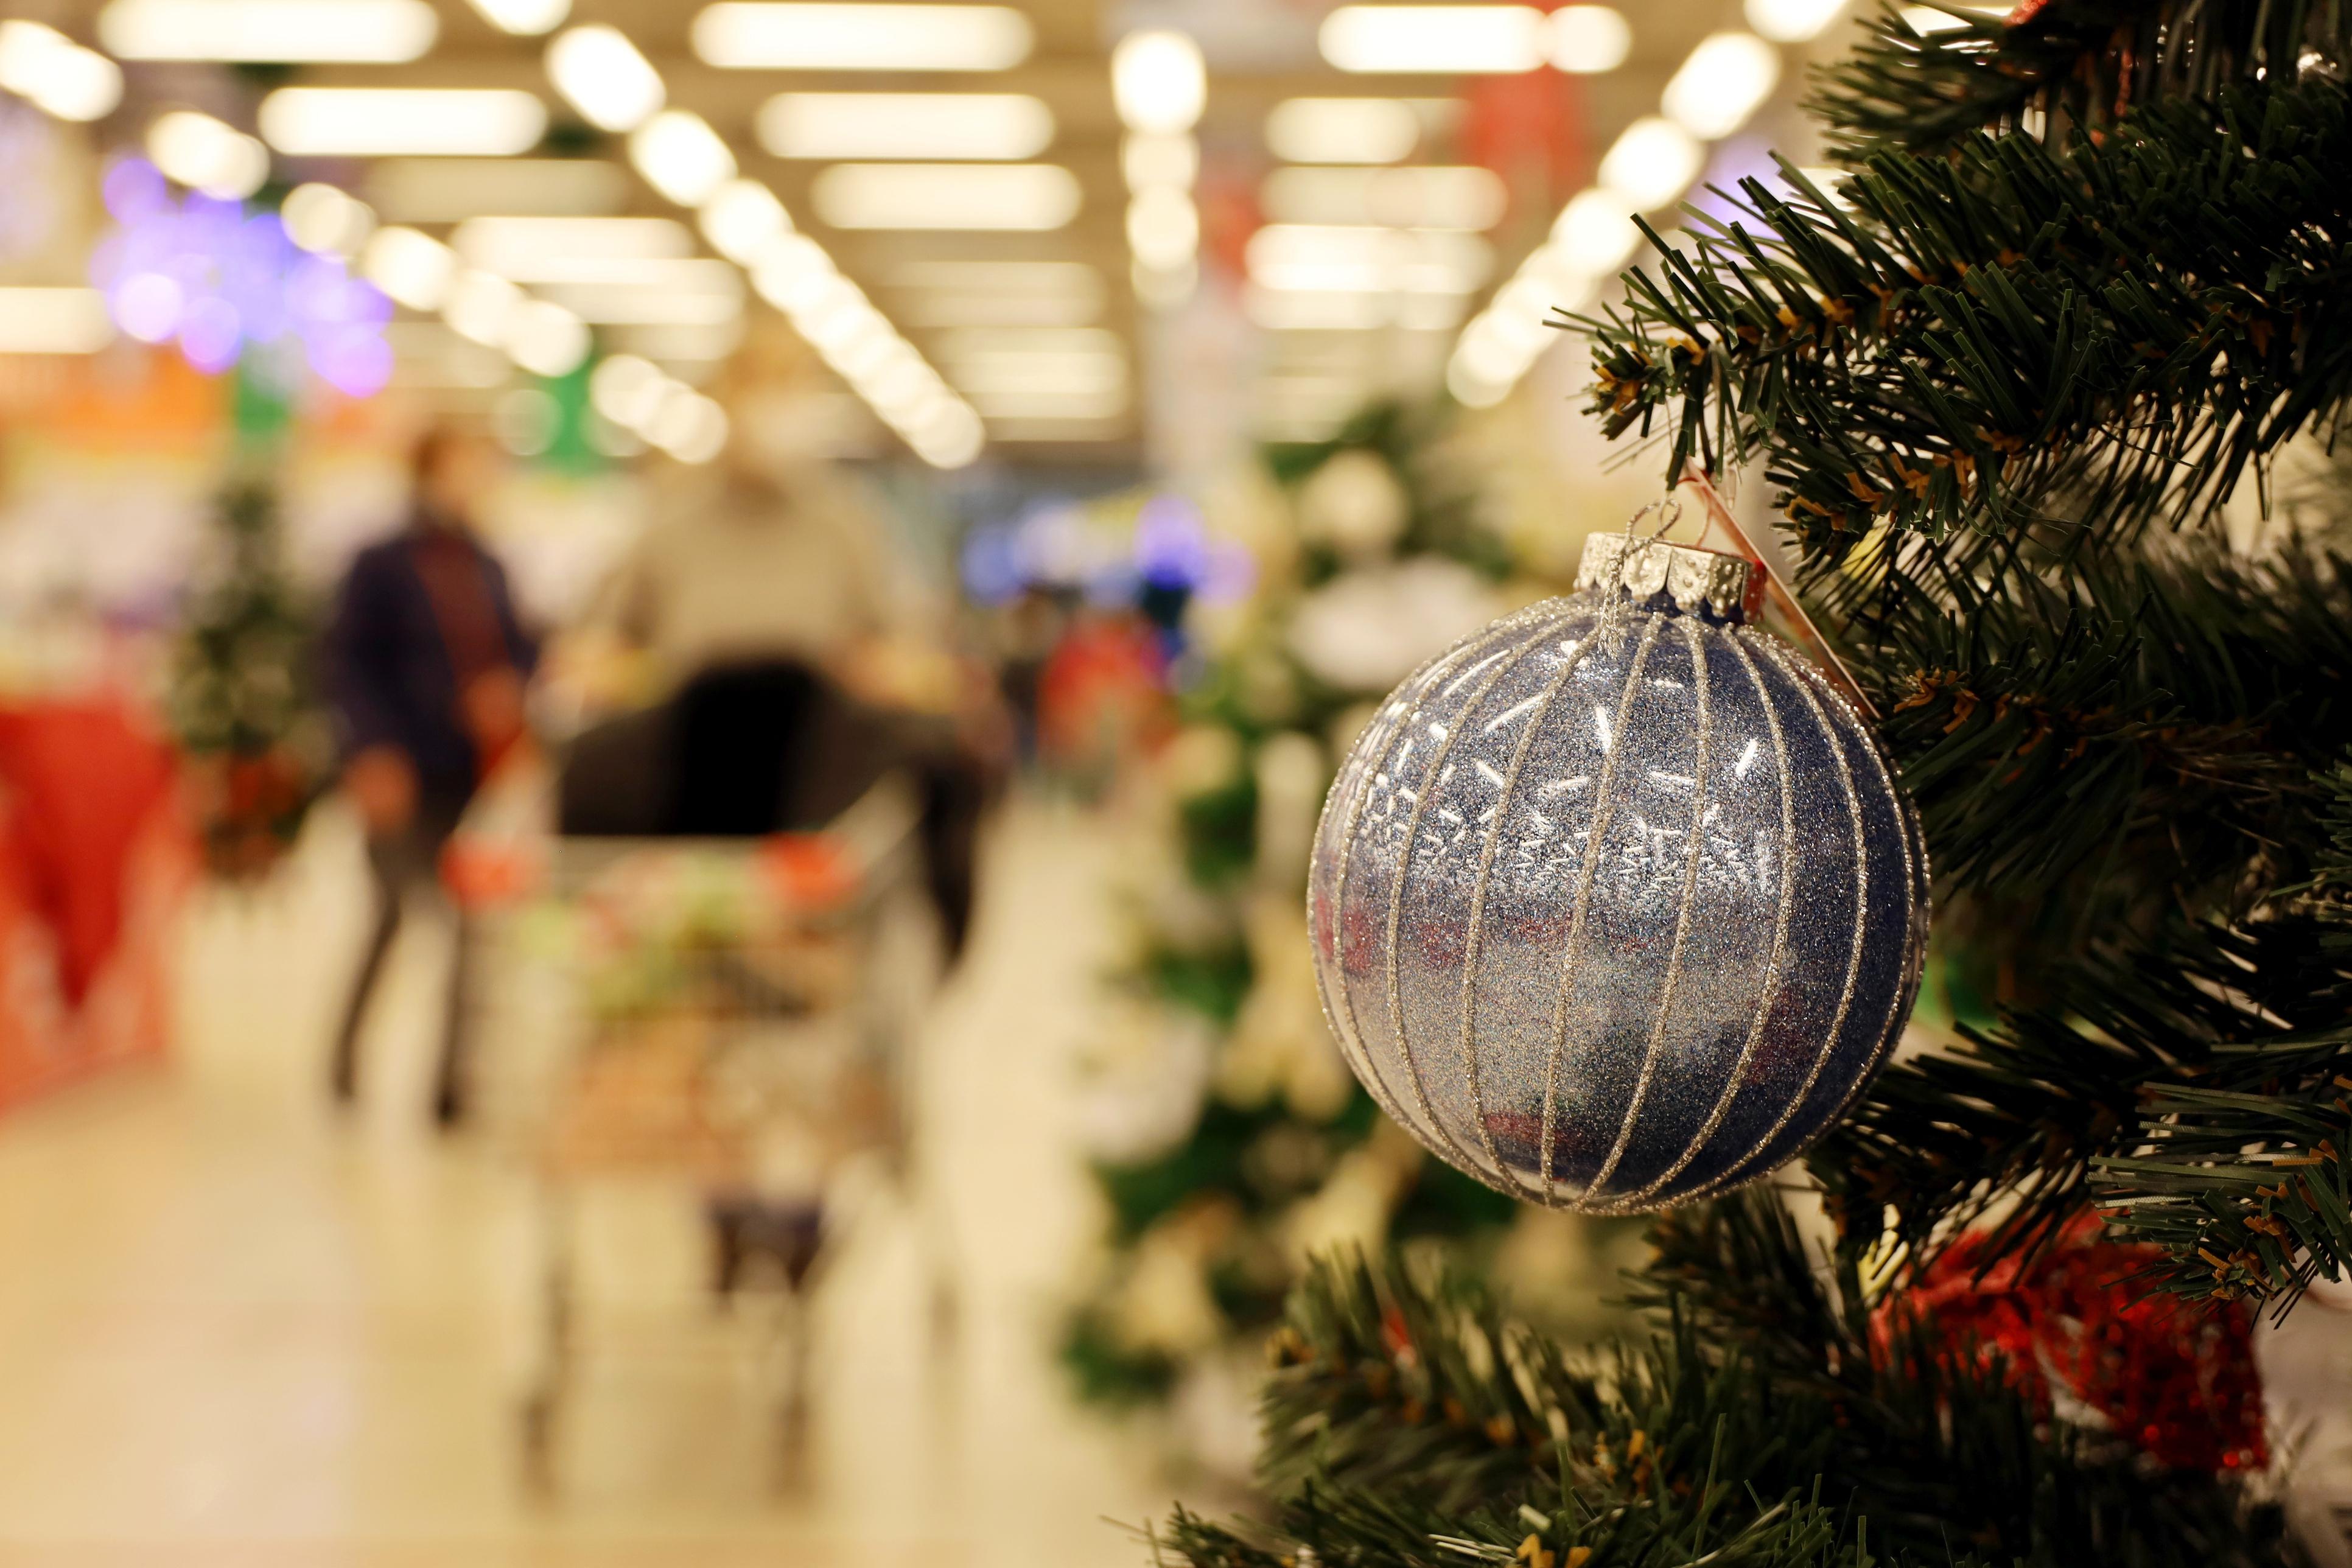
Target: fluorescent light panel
(528,17)
(358,31)
(54,322)
(1464,196)
(57,76)
(517,246)
(763,35)
(373,121)
(1342,130)
(1008,197)
(852,125)
(1435,40)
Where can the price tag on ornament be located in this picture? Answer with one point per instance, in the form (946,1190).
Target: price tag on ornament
(1783,613)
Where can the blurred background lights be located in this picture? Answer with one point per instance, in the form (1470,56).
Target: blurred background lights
(326,220)
(601,74)
(217,280)
(1727,77)
(55,74)
(1793,21)
(775,35)
(681,156)
(379,32)
(1589,39)
(1652,163)
(1159,81)
(205,154)
(529,18)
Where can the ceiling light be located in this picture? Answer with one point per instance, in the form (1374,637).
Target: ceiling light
(1435,40)
(481,306)
(370,122)
(952,439)
(792,271)
(689,427)
(601,74)
(372,31)
(1652,163)
(764,35)
(529,18)
(324,220)
(626,389)
(1589,39)
(54,322)
(1342,130)
(524,247)
(1146,158)
(1464,196)
(1595,232)
(740,217)
(1722,83)
(834,125)
(1163,227)
(627,304)
(1159,81)
(681,156)
(205,154)
(545,339)
(1311,259)
(56,75)
(444,190)
(946,196)
(413,267)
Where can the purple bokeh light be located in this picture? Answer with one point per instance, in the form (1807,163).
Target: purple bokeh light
(225,281)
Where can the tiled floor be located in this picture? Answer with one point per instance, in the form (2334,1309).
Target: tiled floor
(236,1329)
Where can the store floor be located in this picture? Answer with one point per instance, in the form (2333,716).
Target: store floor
(237,1328)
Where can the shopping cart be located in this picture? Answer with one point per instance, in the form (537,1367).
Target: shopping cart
(729,1016)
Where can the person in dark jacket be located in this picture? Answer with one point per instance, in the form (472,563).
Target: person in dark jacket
(426,663)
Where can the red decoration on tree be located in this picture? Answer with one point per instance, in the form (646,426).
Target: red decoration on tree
(2176,1378)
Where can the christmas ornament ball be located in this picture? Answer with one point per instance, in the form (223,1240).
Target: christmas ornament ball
(1617,903)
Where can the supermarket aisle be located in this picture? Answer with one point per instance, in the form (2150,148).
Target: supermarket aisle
(235,1329)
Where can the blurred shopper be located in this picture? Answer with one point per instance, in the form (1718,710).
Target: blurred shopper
(769,554)
(797,660)
(426,668)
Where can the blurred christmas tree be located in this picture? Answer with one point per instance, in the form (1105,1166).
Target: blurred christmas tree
(241,702)
(1230,1138)
(2031,384)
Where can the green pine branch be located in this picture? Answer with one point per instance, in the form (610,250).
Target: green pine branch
(1993,336)
(1415,1423)
(2075,67)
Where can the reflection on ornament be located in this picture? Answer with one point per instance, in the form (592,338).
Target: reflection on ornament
(1353,503)
(1617,903)
(1366,630)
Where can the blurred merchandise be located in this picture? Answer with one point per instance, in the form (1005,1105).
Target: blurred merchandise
(94,861)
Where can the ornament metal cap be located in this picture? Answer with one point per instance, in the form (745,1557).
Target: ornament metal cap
(1695,579)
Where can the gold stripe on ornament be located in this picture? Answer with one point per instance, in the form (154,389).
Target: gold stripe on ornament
(1432,781)
(1473,952)
(1782,903)
(1682,917)
(1596,838)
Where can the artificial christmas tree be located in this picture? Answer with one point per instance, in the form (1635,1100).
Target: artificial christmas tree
(2076,313)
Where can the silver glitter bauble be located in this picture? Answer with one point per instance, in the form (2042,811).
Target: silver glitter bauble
(1616,904)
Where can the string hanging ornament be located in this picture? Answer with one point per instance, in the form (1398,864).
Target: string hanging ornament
(1617,903)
